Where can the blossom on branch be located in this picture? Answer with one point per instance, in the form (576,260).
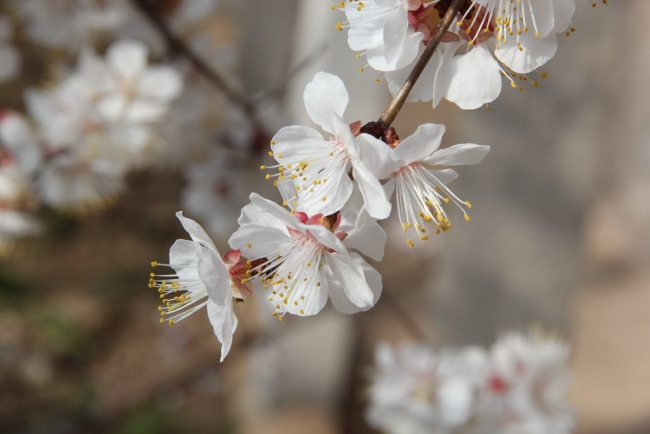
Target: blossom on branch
(503,38)
(305,260)
(317,168)
(419,189)
(202,278)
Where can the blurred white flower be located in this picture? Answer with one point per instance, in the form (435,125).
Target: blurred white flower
(10,61)
(525,388)
(304,261)
(202,278)
(416,390)
(419,189)
(70,24)
(317,168)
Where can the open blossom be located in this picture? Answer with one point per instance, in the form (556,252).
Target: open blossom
(416,390)
(504,37)
(304,260)
(318,168)
(419,189)
(202,278)
(525,387)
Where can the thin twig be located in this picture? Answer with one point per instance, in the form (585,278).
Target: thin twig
(177,45)
(400,313)
(395,105)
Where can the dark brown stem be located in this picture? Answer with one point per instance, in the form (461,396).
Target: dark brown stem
(177,45)
(395,105)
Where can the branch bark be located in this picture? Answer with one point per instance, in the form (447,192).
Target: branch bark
(395,105)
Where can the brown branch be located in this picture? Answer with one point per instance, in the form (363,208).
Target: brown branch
(177,45)
(395,105)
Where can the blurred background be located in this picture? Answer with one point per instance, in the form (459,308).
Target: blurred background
(560,237)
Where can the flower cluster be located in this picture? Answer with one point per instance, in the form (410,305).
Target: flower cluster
(503,38)
(294,259)
(92,127)
(516,387)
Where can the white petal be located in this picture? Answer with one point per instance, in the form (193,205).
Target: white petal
(325,237)
(112,107)
(395,33)
(336,191)
(160,82)
(376,155)
(184,258)
(537,51)
(377,59)
(127,58)
(264,242)
(419,145)
(543,10)
(365,235)
(350,275)
(463,154)
(445,175)
(475,79)
(224,322)
(373,193)
(214,275)
(251,213)
(324,95)
(195,230)
(443,76)
(140,111)
(275,210)
(563,11)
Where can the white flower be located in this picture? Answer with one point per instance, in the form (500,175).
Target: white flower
(105,109)
(525,30)
(139,93)
(504,37)
(318,168)
(202,278)
(75,184)
(70,23)
(525,387)
(416,390)
(10,61)
(420,191)
(381,29)
(304,260)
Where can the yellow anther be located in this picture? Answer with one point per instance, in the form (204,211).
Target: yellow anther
(535,84)
(171,322)
(249,245)
(361,69)
(154,263)
(424,238)
(162,320)
(302,312)
(272,143)
(513,84)
(262,167)
(281,317)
